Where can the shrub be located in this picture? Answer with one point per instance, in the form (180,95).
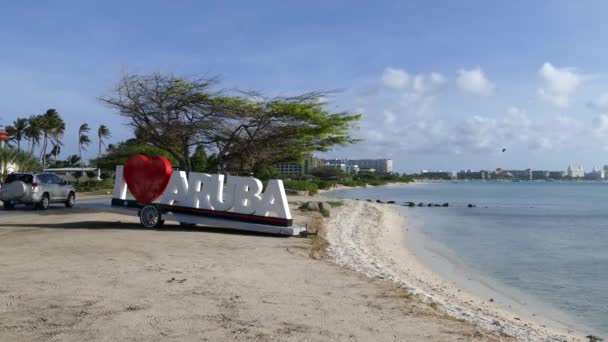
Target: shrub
(299,185)
(324,185)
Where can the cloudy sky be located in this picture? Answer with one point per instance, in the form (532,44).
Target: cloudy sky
(441,84)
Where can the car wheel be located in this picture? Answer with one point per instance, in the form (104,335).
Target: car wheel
(44,202)
(71,200)
(151,217)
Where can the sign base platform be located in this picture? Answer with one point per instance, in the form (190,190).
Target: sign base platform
(191,219)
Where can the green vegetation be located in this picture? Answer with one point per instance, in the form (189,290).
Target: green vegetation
(47,130)
(119,154)
(299,185)
(335,203)
(243,132)
(95,188)
(10,156)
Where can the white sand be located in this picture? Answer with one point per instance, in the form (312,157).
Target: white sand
(370,238)
(77,276)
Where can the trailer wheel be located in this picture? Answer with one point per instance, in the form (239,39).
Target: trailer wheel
(151,217)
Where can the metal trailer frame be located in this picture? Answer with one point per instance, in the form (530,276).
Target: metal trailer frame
(154,216)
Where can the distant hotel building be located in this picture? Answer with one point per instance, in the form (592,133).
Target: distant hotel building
(470,174)
(371,165)
(596,174)
(575,172)
(299,170)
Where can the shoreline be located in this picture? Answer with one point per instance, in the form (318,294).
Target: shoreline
(375,239)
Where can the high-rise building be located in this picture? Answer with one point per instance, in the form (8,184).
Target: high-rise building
(373,165)
(299,170)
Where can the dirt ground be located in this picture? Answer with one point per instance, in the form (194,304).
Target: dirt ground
(69,275)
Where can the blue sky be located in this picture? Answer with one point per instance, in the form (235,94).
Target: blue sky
(441,84)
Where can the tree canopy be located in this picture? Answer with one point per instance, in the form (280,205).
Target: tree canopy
(120,153)
(243,131)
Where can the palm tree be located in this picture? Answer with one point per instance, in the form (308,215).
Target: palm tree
(102,133)
(17,131)
(83,140)
(54,153)
(52,128)
(32,131)
(73,160)
(13,157)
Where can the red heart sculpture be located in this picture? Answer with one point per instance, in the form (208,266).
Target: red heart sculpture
(147,178)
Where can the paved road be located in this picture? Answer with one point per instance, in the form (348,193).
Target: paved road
(86,202)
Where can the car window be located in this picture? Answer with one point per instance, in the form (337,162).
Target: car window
(56,179)
(45,179)
(19,177)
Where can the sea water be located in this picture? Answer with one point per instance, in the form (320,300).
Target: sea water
(548,240)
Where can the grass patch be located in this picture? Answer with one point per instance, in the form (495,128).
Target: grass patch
(335,204)
(97,192)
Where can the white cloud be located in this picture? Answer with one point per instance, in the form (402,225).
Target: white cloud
(475,82)
(395,78)
(389,117)
(558,84)
(428,84)
(600,104)
(409,122)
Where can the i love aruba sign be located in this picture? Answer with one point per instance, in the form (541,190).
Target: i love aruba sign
(236,198)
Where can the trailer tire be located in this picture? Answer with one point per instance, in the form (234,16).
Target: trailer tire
(150,216)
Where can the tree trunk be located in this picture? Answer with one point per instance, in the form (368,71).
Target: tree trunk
(44,152)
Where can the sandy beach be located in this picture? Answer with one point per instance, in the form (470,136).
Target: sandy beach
(371,238)
(82,276)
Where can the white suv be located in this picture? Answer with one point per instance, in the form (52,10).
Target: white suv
(38,189)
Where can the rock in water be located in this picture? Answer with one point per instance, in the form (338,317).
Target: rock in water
(471,205)
(421,204)
(446,204)
(391,202)
(379,201)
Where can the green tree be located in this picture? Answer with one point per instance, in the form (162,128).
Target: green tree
(17,131)
(177,114)
(22,160)
(127,149)
(260,133)
(266,173)
(329,173)
(102,133)
(77,175)
(91,175)
(199,160)
(52,128)
(83,141)
(52,156)
(32,131)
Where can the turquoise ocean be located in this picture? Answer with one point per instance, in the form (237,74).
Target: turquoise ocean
(547,240)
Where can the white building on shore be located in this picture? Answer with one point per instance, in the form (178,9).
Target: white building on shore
(575,172)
